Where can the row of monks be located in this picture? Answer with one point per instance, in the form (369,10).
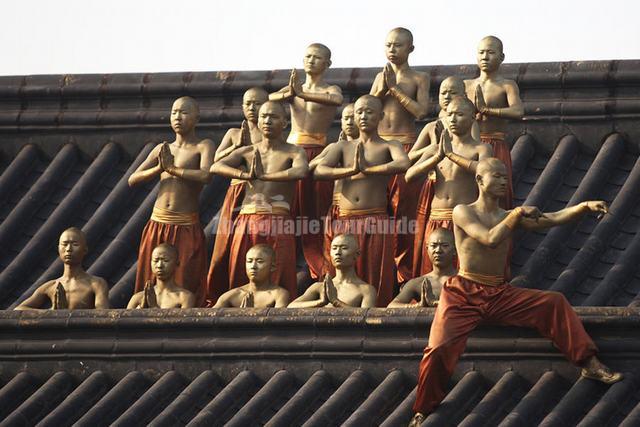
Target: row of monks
(377,207)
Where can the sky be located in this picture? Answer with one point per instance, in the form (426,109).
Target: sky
(118,36)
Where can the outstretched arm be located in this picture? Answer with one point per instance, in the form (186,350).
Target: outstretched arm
(564,216)
(466,219)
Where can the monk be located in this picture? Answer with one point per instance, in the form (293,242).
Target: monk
(364,169)
(313,108)
(346,289)
(163,291)
(348,133)
(454,160)
(479,292)
(498,101)
(424,291)
(75,289)
(260,292)
(246,135)
(183,169)
(449,88)
(405,96)
(270,168)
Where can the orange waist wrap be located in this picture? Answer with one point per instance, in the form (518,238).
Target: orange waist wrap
(403,138)
(441,214)
(485,279)
(167,216)
(493,135)
(264,210)
(360,212)
(308,139)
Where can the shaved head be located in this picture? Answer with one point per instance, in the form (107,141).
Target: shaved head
(442,233)
(82,239)
(494,41)
(264,249)
(489,165)
(370,100)
(169,248)
(405,32)
(275,107)
(349,239)
(462,102)
(453,82)
(190,102)
(256,93)
(323,48)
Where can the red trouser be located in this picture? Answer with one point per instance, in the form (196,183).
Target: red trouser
(502,152)
(464,304)
(218,277)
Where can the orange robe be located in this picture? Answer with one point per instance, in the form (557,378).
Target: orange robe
(185,233)
(275,228)
(312,201)
(464,303)
(403,205)
(502,152)
(375,238)
(218,277)
(422,217)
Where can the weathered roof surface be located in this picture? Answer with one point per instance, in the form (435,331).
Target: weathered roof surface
(69,142)
(276,367)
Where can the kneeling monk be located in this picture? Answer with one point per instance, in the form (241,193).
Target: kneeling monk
(271,168)
(479,292)
(260,292)
(344,290)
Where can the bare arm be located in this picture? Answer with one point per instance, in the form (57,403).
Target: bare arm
(312,298)
(466,219)
(101,292)
(470,165)
(226,146)
(201,175)
(378,88)
(563,216)
(134,302)
(408,293)
(399,162)
(328,168)
(230,165)
(515,110)
(283,298)
(284,94)
(418,107)
(225,299)
(316,160)
(148,169)
(38,299)
(430,158)
(368,297)
(422,143)
(188,300)
(333,96)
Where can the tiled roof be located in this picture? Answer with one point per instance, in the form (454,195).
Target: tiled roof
(68,144)
(272,367)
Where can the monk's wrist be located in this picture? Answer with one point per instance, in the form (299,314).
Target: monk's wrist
(513,218)
(402,98)
(459,160)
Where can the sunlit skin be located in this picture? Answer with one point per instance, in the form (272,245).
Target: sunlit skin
(182,165)
(449,88)
(314,102)
(270,166)
(425,290)
(75,289)
(497,98)
(260,292)
(248,133)
(454,182)
(163,292)
(346,289)
(404,91)
(364,168)
(349,132)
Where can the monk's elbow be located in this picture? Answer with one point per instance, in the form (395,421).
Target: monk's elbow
(422,114)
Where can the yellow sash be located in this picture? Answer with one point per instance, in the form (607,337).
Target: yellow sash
(264,210)
(307,139)
(336,198)
(166,216)
(360,212)
(485,279)
(441,214)
(403,138)
(499,136)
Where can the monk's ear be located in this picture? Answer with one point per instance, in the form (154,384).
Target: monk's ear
(273,266)
(329,63)
(411,48)
(501,57)
(478,179)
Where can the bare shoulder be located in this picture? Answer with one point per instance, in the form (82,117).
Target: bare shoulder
(395,144)
(294,149)
(99,283)
(508,83)
(334,88)
(463,212)
(367,288)
(484,150)
(421,76)
(206,143)
(414,284)
(47,288)
(281,292)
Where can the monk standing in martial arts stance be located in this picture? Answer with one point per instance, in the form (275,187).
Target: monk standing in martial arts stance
(454,160)
(405,97)
(479,292)
(498,101)
(183,169)
(247,134)
(313,108)
(271,168)
(364,170)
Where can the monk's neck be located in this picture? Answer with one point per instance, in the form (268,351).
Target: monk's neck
(443,271)
(186,138)
(72,271)
(161,284)
(367,136)
(313,80)
(461,139)
(487,202)
(489,75)
(400,67)
(273,142)
(346,275)
(257,285)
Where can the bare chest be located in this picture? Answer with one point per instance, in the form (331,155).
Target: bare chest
(186,157)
